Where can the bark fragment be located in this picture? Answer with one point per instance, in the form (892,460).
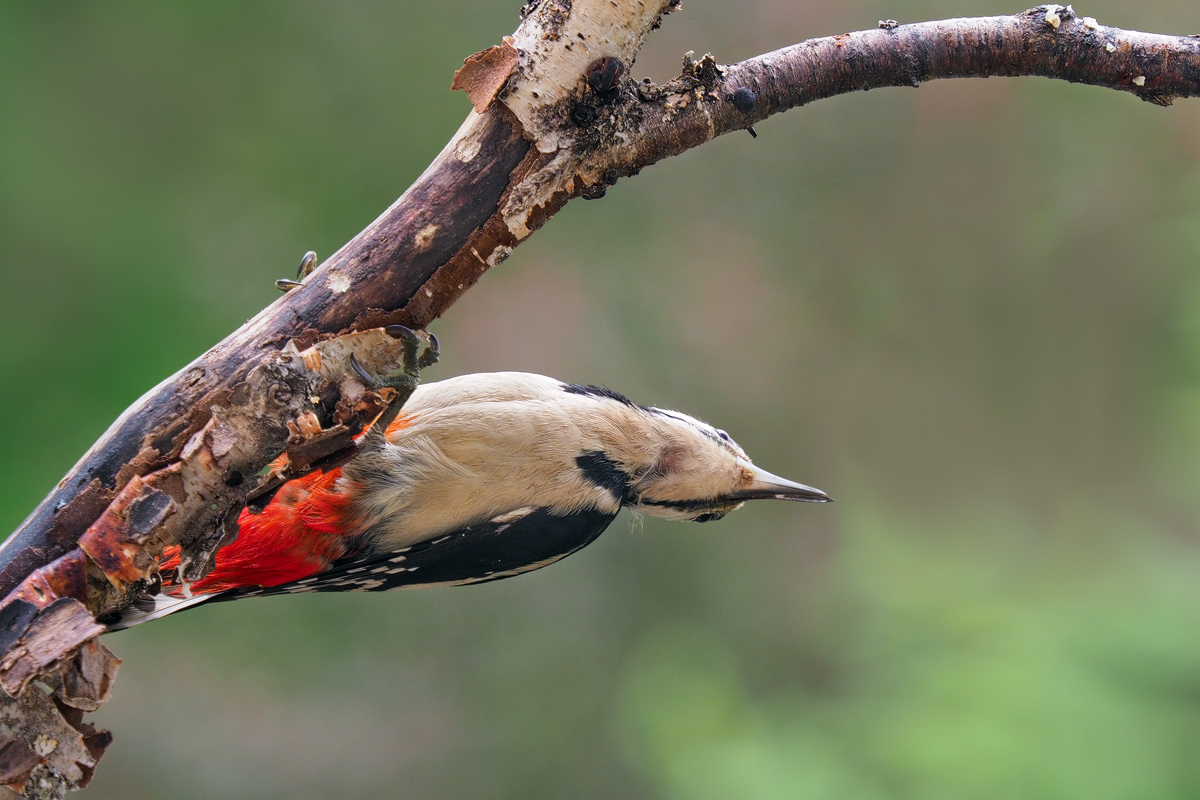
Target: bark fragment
(86,680)
(484,74)
(66,748)
(53,634)
(17,761)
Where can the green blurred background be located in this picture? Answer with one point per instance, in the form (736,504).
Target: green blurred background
(970,312)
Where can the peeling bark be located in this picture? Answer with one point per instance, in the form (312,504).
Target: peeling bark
(484,74)
(556,117)
(65,747)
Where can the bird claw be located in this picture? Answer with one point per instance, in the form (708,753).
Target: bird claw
(307,265)
(414,360)
(432,353)
(400,382)
(404,382)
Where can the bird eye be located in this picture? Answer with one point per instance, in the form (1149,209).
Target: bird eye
(709,517)
(724,436)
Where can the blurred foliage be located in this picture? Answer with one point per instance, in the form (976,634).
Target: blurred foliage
(960,677)
(971,312)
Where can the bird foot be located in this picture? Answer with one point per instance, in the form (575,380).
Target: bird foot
(404,383)
(413,358)
(307,265)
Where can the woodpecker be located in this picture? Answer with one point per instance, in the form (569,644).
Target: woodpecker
(479,478)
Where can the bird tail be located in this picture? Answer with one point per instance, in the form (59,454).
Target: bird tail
(151,607)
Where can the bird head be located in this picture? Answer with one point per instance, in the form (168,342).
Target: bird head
(695,472)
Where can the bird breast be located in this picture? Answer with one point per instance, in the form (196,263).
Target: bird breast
(461,464)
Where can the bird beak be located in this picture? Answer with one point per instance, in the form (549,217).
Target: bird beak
(766,486)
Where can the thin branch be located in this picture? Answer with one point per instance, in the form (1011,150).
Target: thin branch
(557,117)
(708,100)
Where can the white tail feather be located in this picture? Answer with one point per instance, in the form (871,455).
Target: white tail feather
(151,608)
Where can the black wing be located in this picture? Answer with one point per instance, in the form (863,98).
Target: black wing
(520,541)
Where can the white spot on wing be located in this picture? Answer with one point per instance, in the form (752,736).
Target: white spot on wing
(513,516)
(367,586)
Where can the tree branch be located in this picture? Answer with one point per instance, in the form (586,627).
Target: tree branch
(708,99)
(557,117)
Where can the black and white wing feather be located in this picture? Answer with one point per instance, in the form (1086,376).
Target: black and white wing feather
(507,545)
